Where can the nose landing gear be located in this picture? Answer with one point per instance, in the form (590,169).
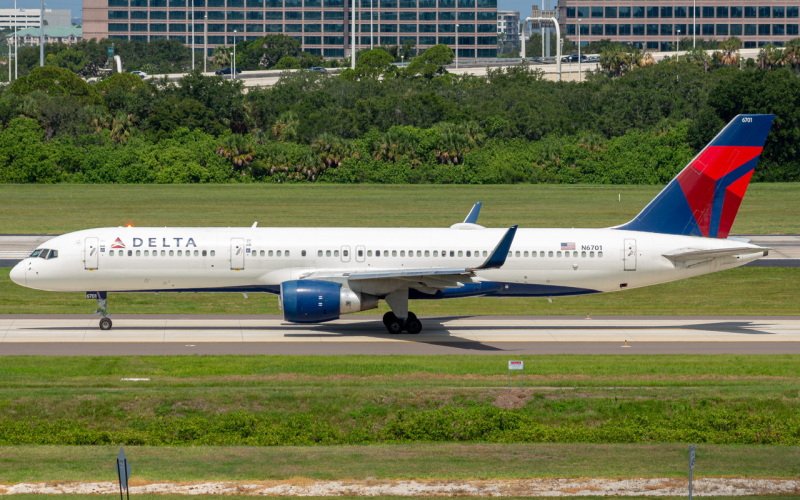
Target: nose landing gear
(102,308)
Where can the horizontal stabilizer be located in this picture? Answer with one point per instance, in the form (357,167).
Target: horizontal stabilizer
(689,254)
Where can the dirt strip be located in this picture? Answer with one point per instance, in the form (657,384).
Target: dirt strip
(432,488)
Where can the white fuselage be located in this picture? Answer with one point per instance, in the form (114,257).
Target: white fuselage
(541,262)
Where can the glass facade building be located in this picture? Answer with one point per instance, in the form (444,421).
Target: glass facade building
(656,24)
(321,26)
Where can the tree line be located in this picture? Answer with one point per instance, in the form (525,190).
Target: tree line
(386,123)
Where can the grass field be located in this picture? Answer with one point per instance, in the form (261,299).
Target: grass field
(56,209)
(622,399)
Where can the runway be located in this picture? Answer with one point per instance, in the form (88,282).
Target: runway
(507,335)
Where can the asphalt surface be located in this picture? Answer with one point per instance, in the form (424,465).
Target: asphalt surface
(508,336)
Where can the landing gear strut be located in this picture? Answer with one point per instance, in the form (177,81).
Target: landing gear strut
(102,308)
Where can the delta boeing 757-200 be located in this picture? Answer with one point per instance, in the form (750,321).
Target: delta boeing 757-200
(321,273)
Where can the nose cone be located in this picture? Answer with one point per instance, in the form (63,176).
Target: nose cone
(18,275)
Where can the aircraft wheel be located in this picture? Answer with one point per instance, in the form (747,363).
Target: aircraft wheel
(413,325)
(392,323)
(105,324)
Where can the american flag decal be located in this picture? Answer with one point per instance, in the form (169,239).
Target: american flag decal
(118,244)
(568,246)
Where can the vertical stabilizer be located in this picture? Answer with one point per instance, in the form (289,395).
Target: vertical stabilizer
(704,198)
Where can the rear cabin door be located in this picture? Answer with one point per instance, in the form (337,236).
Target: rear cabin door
(630,255)
(91,254)
(237,254)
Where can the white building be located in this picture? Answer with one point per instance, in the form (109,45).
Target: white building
(31,18)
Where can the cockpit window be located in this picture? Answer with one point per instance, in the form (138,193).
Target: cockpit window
(44,253)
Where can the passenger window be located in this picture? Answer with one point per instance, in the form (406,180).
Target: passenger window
(303,253)
(469,254)
(394,253)
(510,254)
(558,254)
(164,253)
(327,253)
(550,253)
(196,253)
(525,254)
(111,253)
(427,253)
(517,253)
(541,254)
(286,253)
(599,254)
(419,253)
(278,253)
(591,254)
(345,253)
(583,254)
(205,253)
(213,253)
(452,253)
(369,253)
(336,253)
(436,253)
(402,253)
(377,253)
(139,253)
(130,253)
(171,253)
(262,253)
(360,252)
(460,253)
(271,253)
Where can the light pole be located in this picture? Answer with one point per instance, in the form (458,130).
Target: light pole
(205,42)
(191,3)
(41,36)
(353,35)
(233,65)
(579,50)
(677,43)
(456,46)
(16,40)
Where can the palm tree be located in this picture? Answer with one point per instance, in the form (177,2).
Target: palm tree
(121,127)
(791,53)
(222,56)
(285,127)
(729,51)
(614,61)
(331,150)
(770,57)
(239,149)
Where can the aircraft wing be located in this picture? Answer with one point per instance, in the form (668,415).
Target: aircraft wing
(687,255)
(434,277)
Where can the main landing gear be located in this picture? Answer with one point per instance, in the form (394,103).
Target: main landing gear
(400,318)
(396,325)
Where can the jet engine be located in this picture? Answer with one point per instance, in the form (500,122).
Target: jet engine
(310,301)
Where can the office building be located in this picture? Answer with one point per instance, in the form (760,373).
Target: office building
(30,18)
(321,26)
(655,25)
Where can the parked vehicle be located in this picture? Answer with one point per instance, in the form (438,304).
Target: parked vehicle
(319,69)
(140,74)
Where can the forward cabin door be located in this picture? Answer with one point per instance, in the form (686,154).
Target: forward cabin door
(91,254)
(237,254)
(630,255)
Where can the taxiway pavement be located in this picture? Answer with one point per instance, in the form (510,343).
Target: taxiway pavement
(509,335)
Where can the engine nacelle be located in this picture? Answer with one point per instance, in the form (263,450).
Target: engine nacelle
(309,301)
